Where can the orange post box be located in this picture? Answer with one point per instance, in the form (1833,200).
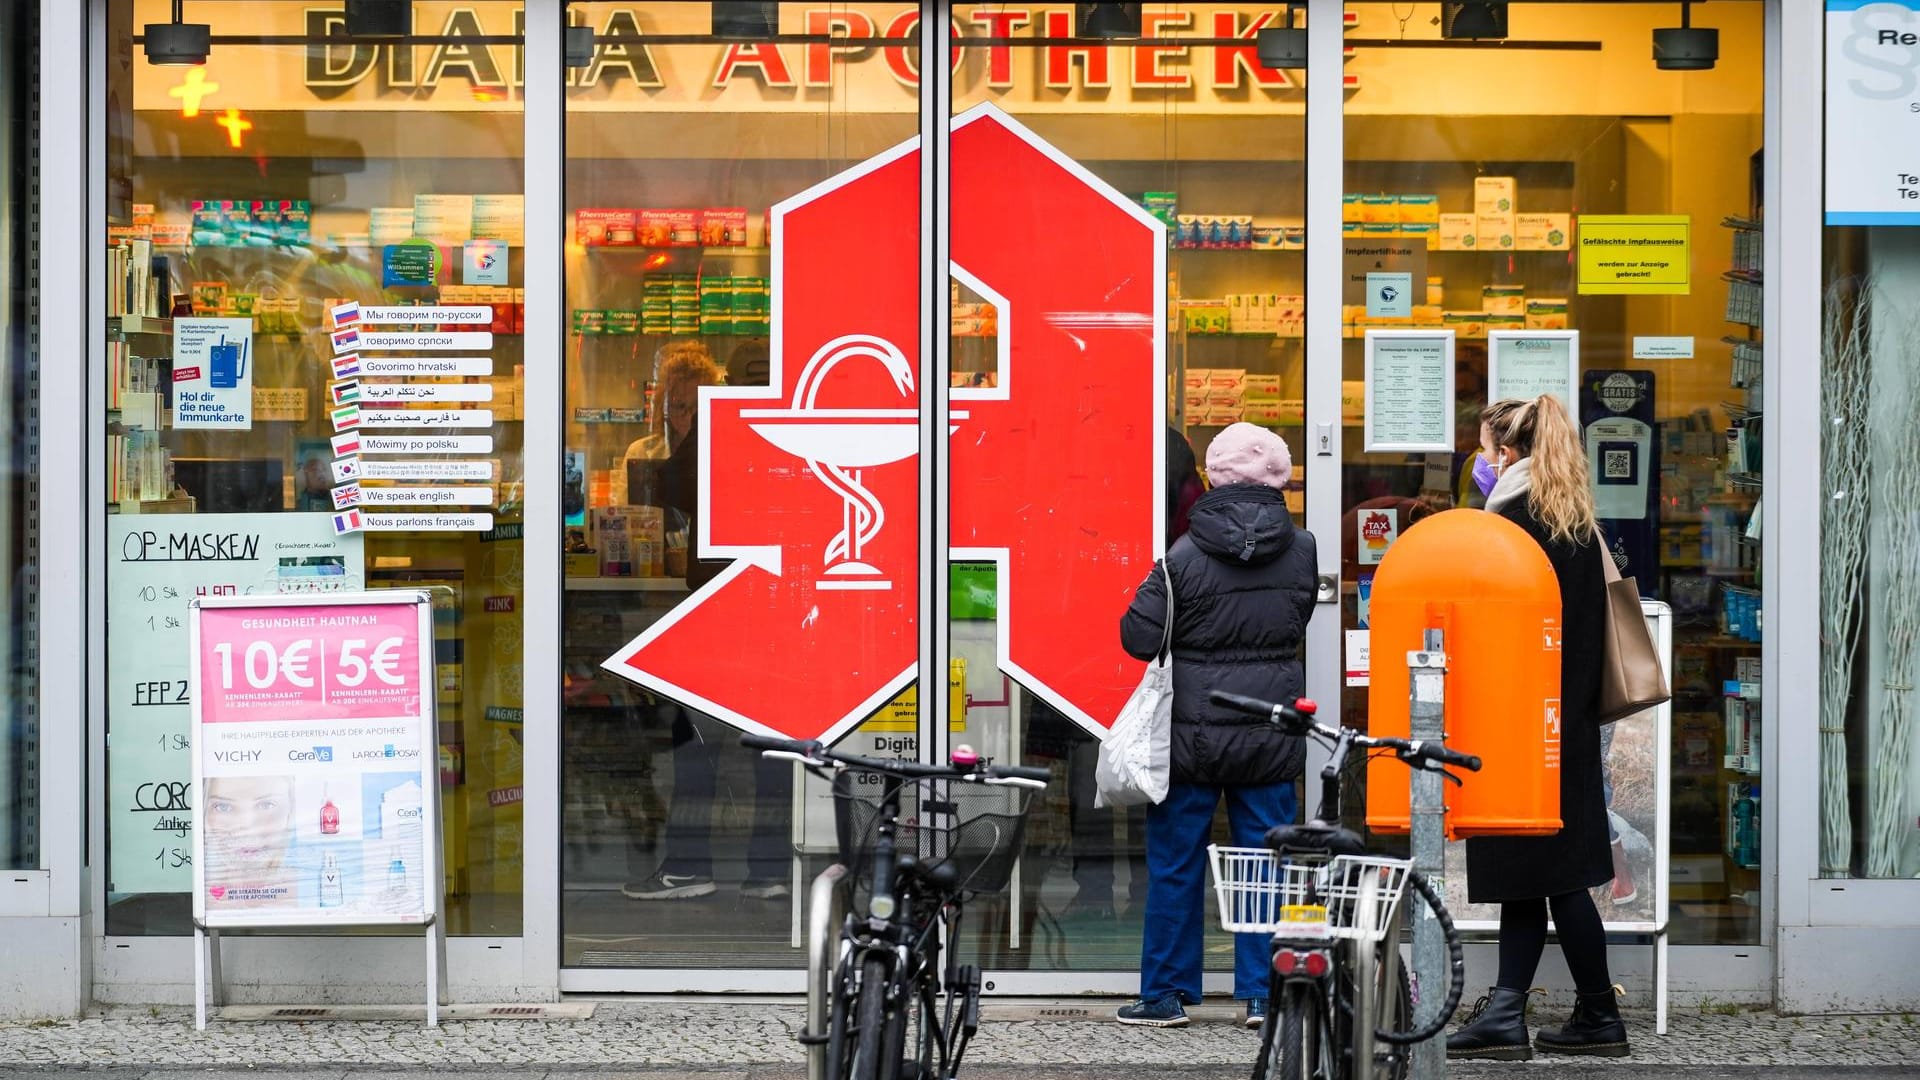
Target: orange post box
(1484,582)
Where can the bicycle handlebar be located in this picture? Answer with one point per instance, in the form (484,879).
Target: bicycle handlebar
(1298,719)
(816,754)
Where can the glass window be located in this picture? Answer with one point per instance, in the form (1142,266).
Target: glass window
(252,448)
(1488,169)
(1211,143)
(1870,565)
(711,179)
(20,448)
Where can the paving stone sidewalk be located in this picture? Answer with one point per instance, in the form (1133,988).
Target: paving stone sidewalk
(659,1034)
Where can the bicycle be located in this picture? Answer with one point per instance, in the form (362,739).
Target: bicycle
(1334,911)
(960,836)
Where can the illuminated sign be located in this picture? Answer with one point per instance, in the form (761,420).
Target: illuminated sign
(871,36)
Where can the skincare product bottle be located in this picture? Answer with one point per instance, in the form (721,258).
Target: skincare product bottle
(332,894)
(329,817)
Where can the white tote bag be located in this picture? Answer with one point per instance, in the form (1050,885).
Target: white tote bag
(1136,758)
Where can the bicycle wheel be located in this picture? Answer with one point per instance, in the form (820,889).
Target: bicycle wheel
(1302,1049)
(876,1054)
(1396,1013)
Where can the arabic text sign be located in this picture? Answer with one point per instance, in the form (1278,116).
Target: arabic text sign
(1635,254)
(315,762)
(1873,112)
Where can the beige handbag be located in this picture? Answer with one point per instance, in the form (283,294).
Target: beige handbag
(1631,678)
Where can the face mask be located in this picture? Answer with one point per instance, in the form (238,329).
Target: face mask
(1484,474)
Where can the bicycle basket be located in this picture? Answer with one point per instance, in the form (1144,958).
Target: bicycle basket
(1259,893)
(976,829)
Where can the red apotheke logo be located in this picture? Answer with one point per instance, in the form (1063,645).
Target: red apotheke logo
(809,484)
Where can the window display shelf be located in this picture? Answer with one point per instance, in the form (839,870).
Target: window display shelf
(140,325)
(727,252)
(626,584)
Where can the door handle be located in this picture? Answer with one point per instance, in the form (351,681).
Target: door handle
(1326,589)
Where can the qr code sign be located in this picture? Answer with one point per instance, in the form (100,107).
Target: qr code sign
(1618,465)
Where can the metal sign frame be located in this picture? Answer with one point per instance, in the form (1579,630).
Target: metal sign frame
(208,981)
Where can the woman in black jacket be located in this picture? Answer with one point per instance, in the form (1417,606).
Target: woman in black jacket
(1243,580)
(1543,487)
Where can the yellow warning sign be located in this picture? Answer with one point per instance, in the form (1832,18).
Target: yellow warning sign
(1625,254)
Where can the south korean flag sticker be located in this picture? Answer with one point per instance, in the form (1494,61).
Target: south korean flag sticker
(345,469)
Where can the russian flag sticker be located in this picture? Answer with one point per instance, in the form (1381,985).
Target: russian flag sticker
(351,521)
(346,314)
(344,445)
(346,367)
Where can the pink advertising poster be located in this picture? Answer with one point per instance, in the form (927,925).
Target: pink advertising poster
(348,662)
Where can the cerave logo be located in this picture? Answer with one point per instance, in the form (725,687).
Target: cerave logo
(318,753)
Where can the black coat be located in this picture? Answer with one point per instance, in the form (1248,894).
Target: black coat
(680,490)
(1243,580)
(1577,857)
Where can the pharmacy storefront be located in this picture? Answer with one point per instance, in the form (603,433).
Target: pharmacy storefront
(729,366)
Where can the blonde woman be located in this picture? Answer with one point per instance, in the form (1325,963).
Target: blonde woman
(1542,486)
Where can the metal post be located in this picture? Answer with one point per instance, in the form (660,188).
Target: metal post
(826,907)
(1427,671)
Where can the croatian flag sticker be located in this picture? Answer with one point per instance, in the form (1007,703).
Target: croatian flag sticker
(351,521)
(346,367)
(346,315)
(344,445)
(346,495)
(345,469)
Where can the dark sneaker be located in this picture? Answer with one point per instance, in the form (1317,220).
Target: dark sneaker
(665,886)
(1256,1012)
(765,890)
(1164,1013)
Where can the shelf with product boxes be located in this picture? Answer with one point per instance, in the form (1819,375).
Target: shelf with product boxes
(1495,224)
(681,304)
(1502,307)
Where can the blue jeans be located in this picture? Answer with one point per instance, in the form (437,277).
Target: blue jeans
(1178,895)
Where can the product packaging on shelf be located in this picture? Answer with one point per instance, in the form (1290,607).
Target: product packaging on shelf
(443,219)
(603,227)
(1494,232)
(1543,232)
(1504,299)
(1419,209)
(723,227)
(1458,232)
(1380,209)
(1494,196)
(1547,314)
(500,217)
(389,225)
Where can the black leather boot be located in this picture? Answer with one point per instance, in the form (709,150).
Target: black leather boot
(1595,1029)
(1496,1029)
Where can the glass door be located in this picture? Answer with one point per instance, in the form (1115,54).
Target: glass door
(1127,281)
(744,379)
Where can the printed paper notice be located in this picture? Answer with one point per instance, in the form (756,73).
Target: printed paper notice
(1873,112)
(213,374)
(1409,391)
(1635,255)
(1359,661)
(1525,365)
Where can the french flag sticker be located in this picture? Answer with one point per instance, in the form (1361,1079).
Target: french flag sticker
(345,469)
(346,367)
(346,314)
(343,445)
(346,416)
(351,521)
(346,495)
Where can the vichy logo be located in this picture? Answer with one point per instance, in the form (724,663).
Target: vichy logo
(236,757)
(318,753)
